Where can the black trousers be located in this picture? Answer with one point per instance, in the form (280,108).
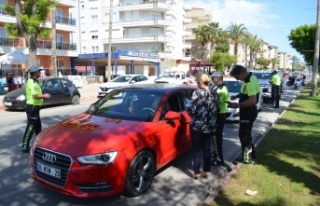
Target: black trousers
(218,136)
(275,95)
(201,150)
(247,118)
(33,124)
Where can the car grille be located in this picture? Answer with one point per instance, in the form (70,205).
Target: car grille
(62,162)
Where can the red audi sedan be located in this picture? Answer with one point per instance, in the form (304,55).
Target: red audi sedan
(117,145)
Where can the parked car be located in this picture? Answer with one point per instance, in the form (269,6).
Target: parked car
(62,91)
(234,88)
(175,77)
(120,81)
(108,150)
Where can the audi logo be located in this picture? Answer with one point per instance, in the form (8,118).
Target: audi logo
(49,157)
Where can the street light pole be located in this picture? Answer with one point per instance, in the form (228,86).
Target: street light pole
(314,89)
(109,41)
(53,42)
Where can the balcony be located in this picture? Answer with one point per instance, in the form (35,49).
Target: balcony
(68,3)
(159,22)
(66,20)
(5,41)
(144,5)
(47,44)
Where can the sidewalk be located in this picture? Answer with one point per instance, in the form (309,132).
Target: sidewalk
(88,92)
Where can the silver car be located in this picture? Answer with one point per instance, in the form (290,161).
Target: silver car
(234,88)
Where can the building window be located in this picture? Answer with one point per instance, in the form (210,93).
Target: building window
(3,32)
(60,63)
(94,18)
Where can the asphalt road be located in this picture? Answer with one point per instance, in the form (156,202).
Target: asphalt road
(172,185)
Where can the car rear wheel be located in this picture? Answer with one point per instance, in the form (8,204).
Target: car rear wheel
(140,174)
(75,99)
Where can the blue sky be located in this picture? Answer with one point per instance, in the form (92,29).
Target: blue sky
(271,20)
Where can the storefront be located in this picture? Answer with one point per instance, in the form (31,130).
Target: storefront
(122,62)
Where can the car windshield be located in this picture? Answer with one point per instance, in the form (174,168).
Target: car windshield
(168,74)
(121,79)
(262,75)
(233,86)
(128,104)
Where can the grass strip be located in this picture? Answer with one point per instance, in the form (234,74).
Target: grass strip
(286,171)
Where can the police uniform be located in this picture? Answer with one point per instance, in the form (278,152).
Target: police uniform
(33,106)
(223,93)
(275,89)
(249,87)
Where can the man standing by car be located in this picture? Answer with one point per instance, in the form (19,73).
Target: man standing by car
(34,99)
(248,98)
(222,90)
(275,89)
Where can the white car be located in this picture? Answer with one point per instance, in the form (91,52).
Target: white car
(122,80)
(175,77)
(234,87)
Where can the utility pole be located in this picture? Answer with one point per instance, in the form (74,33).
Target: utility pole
(314,89)
(53,42)
(110,39)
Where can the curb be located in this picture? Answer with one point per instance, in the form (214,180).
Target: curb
(214,191)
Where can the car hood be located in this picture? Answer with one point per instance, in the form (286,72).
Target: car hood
(15,93)
(88,134)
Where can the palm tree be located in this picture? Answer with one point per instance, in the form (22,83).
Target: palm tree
(213,35)
(254,47)
(246,41)
(236,32)
(202,37)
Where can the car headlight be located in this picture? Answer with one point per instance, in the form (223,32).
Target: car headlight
(21,97)
(99,159)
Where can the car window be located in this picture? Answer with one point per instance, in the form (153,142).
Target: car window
(121,79)
(66,84)
(262,75)
(128,104)
(143,78)
(136,79)
(187,98)
(233,86)
(52,84)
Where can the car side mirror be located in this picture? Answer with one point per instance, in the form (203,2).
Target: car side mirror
(171,115)
(265,90)
(132,81)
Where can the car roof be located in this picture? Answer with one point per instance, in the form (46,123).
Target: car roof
(159,87)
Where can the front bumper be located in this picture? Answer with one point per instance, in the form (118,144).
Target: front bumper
(233,114)
(76,179)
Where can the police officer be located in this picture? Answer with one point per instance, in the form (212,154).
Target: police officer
(34,98)
(222,90)
(248,98)
(275,89)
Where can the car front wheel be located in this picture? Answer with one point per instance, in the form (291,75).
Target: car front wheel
(140,174)
(75,99)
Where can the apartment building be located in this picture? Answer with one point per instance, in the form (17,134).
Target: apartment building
(145,26)
(66,28)
(286,61)
(195,17)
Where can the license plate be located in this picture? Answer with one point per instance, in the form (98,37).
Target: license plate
(7,103)
(48,170)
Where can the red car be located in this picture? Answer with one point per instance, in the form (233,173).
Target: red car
(117,145)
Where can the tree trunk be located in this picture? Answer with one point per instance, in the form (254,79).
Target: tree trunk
(32,44)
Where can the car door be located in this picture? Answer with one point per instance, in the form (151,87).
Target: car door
(67,90)
(172,136)
(51,86)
